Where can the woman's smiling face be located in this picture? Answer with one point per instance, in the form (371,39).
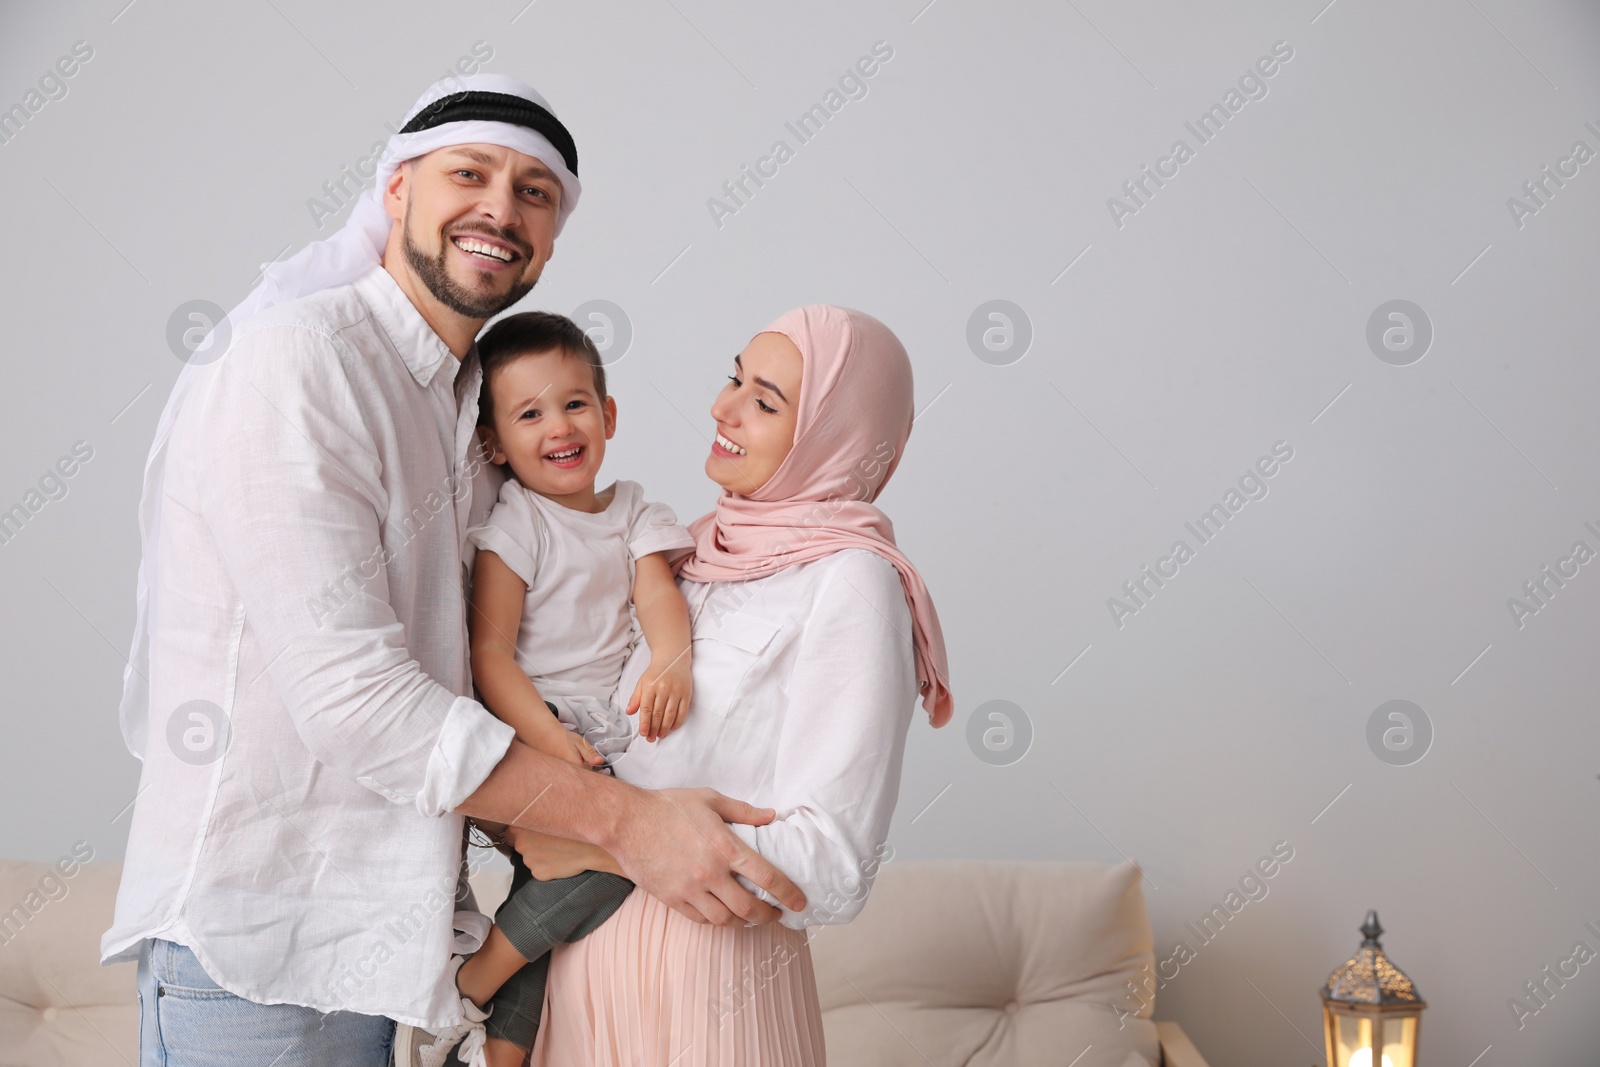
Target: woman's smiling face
(756,414)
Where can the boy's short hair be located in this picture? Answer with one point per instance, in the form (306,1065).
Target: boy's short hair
(528,333)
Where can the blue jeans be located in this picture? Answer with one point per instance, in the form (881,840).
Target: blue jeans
(187,1020)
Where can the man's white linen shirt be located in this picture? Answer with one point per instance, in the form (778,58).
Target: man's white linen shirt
(312,727)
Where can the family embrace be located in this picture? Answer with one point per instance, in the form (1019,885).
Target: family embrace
(387,585)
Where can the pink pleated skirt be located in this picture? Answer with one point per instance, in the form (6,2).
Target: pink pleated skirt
(650,988)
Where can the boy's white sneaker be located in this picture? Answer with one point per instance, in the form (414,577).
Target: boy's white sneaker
(416,1047)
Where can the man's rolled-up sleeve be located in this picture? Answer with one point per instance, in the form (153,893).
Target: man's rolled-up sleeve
(291,489)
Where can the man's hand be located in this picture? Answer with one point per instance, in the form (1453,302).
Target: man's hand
(674,845)
(661,697)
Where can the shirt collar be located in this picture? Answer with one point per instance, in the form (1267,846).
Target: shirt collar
(422,350)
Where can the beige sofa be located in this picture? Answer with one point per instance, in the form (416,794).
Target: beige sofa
(950,963)
(987,964)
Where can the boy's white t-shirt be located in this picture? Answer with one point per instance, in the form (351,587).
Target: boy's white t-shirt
(577,621)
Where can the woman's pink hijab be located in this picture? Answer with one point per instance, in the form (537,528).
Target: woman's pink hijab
(855,416)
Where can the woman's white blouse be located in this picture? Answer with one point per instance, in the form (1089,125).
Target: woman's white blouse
(804,686)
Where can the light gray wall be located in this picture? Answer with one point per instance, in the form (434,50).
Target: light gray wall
(1227,314)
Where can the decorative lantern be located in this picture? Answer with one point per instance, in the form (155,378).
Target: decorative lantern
(1370,1011)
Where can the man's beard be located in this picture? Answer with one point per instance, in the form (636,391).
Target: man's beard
(436,276)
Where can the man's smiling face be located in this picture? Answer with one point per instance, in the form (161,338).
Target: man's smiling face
(478,224)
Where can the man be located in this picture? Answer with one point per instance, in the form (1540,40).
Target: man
(299,689)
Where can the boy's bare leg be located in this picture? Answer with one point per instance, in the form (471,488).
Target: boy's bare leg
(481,977)
(502,1053)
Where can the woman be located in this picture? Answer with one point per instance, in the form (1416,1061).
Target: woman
(813,636)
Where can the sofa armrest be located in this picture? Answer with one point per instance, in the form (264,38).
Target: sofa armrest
(1176,1048)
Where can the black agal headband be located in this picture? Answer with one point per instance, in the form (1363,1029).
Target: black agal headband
(498,107)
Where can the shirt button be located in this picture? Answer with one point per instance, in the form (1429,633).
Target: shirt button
(50,1014)
(1013,1007)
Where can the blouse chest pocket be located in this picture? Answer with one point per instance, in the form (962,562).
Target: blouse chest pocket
(726,651)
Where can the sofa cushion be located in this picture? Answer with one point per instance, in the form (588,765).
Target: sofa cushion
(58,1006)
(964,962)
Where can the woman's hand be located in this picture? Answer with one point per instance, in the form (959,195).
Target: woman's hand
(661,697)
(548,857)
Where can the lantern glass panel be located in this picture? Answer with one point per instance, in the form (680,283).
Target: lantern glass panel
(1353,1041)
(1357,1036)
(1399,1039)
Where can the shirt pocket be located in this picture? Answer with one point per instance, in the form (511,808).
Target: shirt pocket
(728,654)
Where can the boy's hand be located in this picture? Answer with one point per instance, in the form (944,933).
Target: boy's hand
(572,747)
(661,697)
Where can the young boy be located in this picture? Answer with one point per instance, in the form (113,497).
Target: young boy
(559,566)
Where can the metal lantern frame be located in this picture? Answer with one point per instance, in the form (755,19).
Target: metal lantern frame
(1371,1012)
